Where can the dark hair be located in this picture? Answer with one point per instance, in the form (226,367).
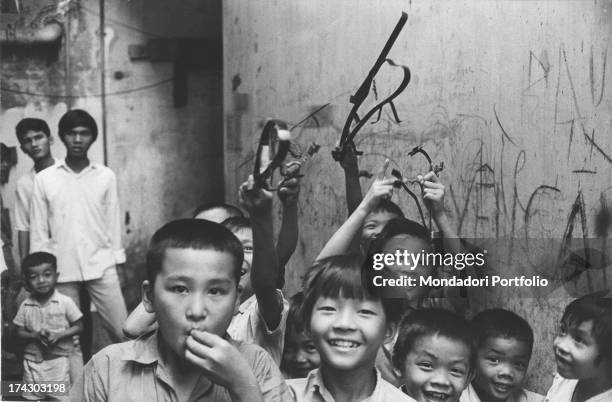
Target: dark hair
(198,234)
(344,276)
(596,308)
(389,206)
(430,322)
(77,118)
(36,259)
(31,124)
(500,323)
(236,223)
(294,316)
(229,209)
(395,227)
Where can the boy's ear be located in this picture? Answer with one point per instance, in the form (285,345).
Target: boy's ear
(391,331)
(147,296)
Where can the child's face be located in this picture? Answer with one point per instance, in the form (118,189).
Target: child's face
(77,141)
(576,351)
(437,369)
(36,145)
(194,289)
(348,332)
(415,245)
(41,279)
(374,224)
(501,364)
(246,239)
(300,355)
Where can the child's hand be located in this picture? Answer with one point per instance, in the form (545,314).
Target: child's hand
(349,162)
(42,337)
(288,191)
(255,200)
(381,188)
(221,362)
(52,338)
(433,193)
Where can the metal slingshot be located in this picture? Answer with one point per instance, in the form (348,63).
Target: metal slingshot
(273,148)
(348,133)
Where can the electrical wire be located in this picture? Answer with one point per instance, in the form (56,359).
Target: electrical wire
(117,93)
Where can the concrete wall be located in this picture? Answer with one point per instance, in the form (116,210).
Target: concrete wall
(510,95)
(166,159)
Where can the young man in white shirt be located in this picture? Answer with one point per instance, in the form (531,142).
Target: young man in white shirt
(75,215)
(35,139)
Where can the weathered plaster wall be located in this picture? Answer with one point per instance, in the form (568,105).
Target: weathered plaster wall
(510,95)
(166,159)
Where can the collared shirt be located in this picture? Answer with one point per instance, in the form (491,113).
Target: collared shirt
(135,371)
(248,325)
(522,395)
(54,316)
(76,217)
(312,389)
(562,390)
(25,186)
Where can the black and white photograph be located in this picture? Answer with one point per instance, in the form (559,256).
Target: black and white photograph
(306,201)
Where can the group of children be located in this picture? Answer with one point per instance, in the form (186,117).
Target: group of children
(214,324)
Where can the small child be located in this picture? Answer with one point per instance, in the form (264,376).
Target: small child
(47,320)
(216,212)
(434,354)
(300,355)
(348,322)
(504,342)
(583,350)
(193,270)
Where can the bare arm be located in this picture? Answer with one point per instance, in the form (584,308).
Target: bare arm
(265,269)
(341,241)
(288,234)
(351,175)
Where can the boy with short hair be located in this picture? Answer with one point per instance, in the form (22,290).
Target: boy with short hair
(583,350)
(434,354)
(47,320)
(193,269)
(348,321)
(504,342)
(35,139)
(300,356)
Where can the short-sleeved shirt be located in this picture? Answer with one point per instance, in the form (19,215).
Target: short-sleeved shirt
(135,371)
(563,389)
(522,395)
(25,187)
(249,326)
(312,389)
(54,316)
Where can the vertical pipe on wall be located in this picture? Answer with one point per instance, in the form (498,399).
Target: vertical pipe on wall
(103,83)
(68,76)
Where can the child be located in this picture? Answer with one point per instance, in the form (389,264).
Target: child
(348,322)
(300,356)
(193,269)
(35,139)
(216,212)
(583,350)
(139,322)
(262,313)
(434,354)
(47,320)
(504,342)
